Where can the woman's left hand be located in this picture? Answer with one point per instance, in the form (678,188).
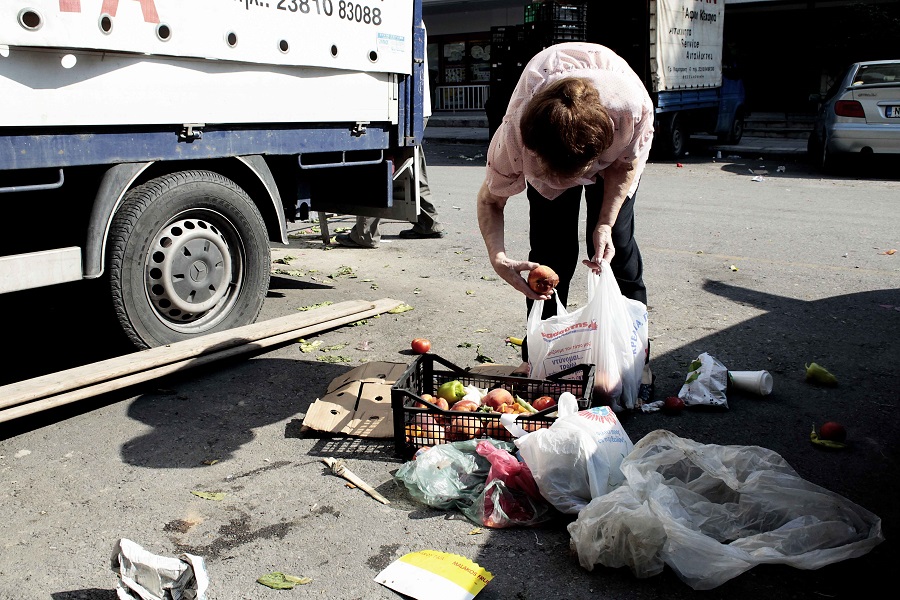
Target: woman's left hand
(604,248)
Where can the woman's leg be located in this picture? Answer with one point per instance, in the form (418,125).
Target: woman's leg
(627,264)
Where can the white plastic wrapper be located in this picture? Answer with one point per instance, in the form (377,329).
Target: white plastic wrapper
(145,576)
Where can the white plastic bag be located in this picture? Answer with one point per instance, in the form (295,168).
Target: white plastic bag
(610,331)
(577,458)
(622,338)
(712,512)
(706,383)
(561,341)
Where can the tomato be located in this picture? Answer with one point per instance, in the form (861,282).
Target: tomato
(543,402)
(421,346)
(833,431)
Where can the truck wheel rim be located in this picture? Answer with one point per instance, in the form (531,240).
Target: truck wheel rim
(189,272)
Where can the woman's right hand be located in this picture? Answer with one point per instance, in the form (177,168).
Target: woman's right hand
(511,272)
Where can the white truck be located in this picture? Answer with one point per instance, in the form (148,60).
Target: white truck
(677,48)
(163,144)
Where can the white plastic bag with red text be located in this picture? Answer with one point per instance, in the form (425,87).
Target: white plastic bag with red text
(610,331)
(564,340)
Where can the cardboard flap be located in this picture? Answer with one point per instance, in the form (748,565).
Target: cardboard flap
(358,403)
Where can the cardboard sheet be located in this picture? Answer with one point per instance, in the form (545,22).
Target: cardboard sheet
(358,403)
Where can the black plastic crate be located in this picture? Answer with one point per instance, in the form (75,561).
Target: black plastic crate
(549,11)
(547,34)
(415,427)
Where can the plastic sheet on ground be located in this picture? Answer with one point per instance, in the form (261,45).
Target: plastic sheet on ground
(713,512)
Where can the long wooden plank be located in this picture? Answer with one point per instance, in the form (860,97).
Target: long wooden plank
(379,306)
(62,381)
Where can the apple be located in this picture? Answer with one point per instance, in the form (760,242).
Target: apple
(543,402)
(673,405)
(496,398)
(493,428)
(833,431)
(465,406)
(441,403)
(542,279)
(421,346)
(464,428)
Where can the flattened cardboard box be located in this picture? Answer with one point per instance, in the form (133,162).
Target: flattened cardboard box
(358,403)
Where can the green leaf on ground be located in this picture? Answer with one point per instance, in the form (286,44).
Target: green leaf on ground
(314,306)
(280,581)
(307,347)
(333,358)
(400,309)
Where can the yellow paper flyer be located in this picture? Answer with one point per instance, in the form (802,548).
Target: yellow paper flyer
(434,575)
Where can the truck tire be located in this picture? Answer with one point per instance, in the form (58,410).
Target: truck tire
(673,137)
(736,132)
(188,255)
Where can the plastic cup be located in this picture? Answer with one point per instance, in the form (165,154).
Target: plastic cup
(755,382)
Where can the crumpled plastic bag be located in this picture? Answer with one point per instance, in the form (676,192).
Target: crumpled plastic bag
(713,512)
(706,383)
(448,476)
(510,497)
(577,458)
(146,576)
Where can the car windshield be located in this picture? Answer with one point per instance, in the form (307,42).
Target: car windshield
(880,73)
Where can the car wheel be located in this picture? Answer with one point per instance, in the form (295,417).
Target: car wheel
(814,149)
(827,161)
(188,255)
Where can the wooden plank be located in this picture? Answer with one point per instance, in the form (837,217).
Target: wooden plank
(62,381)
(125,380)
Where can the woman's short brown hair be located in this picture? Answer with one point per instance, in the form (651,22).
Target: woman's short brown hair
(565,124)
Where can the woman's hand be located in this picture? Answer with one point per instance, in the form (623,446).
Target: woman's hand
(511,272)
(604,248)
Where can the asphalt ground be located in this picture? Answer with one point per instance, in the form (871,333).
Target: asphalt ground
(763,267)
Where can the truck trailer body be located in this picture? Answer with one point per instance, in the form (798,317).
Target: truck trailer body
(170,142)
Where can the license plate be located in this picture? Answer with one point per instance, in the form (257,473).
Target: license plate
(892,111)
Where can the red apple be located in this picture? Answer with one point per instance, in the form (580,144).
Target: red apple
(833,431)
(497,398)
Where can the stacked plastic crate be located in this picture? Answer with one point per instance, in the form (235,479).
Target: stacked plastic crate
(548,23)
(509,55)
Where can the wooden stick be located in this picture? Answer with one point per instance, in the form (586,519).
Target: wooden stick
(35,406)
(55,383)
(338,468)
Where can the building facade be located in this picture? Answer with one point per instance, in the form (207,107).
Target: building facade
(784,50)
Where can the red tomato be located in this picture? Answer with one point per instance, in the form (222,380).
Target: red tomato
(543,402)
(421,346)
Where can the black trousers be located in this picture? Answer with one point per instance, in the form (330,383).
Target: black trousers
(553,234)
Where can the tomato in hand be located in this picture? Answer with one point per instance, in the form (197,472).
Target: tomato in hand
(420,346)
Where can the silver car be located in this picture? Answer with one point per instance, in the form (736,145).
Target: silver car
(860,114)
